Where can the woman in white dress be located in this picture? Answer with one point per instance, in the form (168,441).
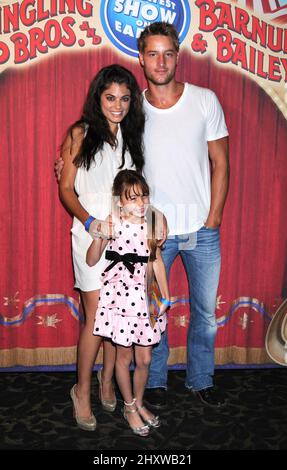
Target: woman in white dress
(106,139)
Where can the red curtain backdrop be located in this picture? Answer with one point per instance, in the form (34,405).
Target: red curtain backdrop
(39,310)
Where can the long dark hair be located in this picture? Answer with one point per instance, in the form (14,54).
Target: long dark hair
(126,180)
(95,124)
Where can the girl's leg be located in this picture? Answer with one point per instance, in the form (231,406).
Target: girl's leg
(123,361)
(88,348)
(142,359)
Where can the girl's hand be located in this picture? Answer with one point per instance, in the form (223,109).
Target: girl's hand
(102,229)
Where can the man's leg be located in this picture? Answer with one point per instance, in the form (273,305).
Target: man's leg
(202,265)
(157,380)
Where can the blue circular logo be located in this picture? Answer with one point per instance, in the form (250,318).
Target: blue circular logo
(124,20)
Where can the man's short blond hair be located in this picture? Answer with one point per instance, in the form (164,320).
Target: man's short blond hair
(160,28)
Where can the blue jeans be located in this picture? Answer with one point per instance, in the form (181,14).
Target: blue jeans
(200,253)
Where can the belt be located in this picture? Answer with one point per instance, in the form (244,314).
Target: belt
(128,259)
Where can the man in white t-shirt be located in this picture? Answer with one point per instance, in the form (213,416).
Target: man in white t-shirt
(186,154)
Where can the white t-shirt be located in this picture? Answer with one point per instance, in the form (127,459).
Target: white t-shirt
(176,156)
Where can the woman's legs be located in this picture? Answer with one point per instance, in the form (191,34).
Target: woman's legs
(123,361)
(88,348)
(108,370)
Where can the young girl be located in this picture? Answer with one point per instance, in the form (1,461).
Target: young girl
(123,312)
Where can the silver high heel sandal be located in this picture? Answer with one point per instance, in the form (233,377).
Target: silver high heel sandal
(108,405)
(153,422)
(140,430)
(87,424)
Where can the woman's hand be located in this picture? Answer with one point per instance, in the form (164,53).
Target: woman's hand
(58,167)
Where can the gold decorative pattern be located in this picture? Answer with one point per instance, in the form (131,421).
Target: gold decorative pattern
(48,320)
(180,321)
(11,301)
(219,302)
(244,321)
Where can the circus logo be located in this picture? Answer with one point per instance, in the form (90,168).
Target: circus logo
(244,35)
(123,20)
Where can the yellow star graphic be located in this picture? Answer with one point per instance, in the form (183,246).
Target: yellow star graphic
(48,320)
(11,301)
(219,302)
(180,321)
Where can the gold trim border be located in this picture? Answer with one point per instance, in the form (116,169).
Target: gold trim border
(68,356)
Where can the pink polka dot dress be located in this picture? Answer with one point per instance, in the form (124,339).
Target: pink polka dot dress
(123,313)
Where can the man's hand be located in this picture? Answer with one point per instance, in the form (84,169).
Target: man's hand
(58,167)
(163,308)
(212,222)
(160,229)
(163,232)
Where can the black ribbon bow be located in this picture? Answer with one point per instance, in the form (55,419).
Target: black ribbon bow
(128,259)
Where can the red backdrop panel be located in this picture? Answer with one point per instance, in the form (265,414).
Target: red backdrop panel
(39,317)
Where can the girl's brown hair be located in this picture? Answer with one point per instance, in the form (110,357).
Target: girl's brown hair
(123,183)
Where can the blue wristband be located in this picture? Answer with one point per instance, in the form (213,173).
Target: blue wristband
(165,302)
(88,222)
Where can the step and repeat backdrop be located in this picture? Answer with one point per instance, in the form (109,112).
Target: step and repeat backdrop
(49,52)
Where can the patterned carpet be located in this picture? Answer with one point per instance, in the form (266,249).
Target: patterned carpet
(36,414)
